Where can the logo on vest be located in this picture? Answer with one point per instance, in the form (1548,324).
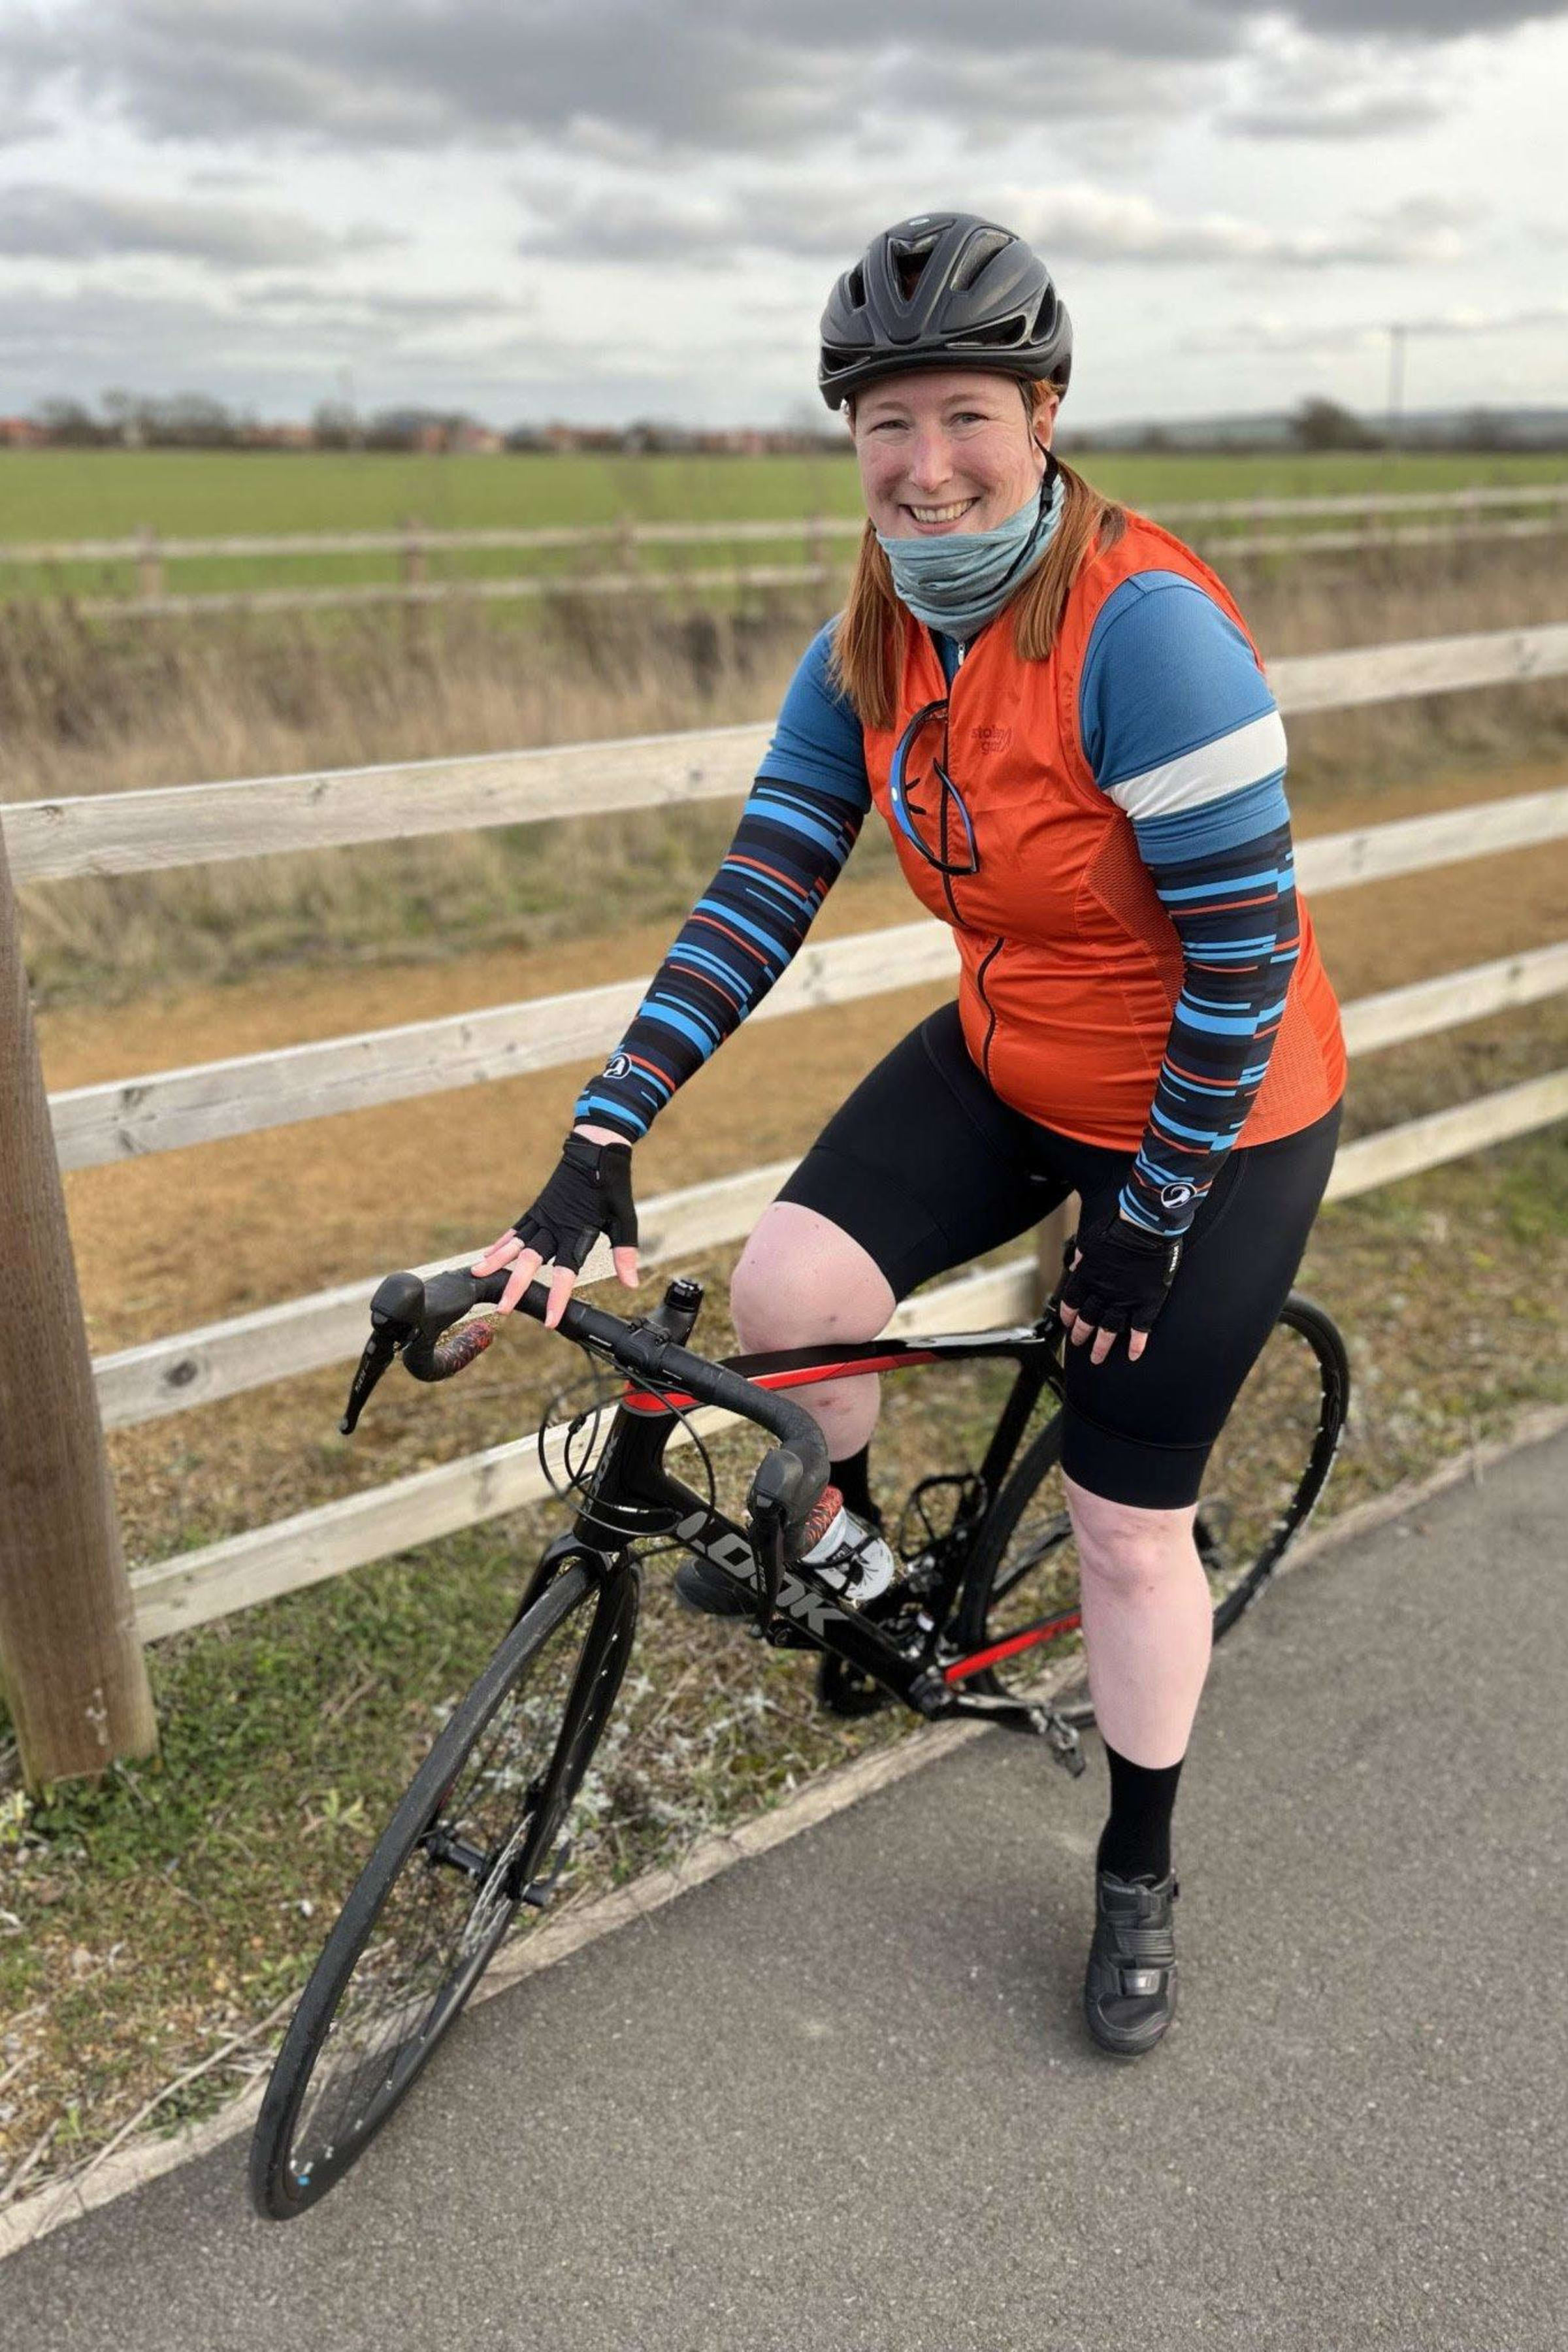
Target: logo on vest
(1177,1196)
(617,1066)
(991,739)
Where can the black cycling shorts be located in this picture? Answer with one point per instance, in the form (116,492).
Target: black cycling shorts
(926,1168)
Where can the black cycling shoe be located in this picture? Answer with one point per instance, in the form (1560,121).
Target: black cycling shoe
(702,1586)
(1129,1986)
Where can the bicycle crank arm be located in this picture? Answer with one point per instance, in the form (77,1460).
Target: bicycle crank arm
(935,1697)
(539,1891)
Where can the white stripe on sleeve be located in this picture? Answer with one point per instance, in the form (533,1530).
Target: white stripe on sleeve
(1247,755)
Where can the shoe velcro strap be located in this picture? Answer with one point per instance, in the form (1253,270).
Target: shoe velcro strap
(1153,1943)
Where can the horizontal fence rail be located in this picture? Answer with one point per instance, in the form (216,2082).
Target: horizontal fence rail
(521,589)
(193,824)
(477,589)
(165,1111)
(1222,524)
(1480,498)
(166,1376)
(317,1544)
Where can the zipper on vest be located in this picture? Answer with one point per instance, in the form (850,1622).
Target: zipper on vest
(989,959)
(946,877)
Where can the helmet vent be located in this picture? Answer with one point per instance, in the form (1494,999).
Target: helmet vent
(1004,333)
(910,267)
(857,286)
(981,249)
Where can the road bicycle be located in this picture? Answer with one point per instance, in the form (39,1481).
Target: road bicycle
(983,1622)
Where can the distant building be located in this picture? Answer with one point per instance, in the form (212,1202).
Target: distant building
(21,432)
(278,436)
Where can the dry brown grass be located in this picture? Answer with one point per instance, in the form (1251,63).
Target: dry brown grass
(86,711)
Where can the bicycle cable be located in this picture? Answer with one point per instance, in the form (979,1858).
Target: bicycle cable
(576,1428)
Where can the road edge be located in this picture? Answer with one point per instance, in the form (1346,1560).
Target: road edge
(37,2217)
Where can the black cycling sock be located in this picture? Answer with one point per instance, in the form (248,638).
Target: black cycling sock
(849,1478)
(1136,1841)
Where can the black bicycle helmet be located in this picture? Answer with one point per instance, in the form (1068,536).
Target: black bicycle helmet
(944,290)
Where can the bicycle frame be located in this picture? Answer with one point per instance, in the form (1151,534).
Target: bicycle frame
(632,1492)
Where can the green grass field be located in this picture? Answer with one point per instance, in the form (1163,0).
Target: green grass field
(59,495)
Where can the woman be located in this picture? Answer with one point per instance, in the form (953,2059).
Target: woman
(1058,710)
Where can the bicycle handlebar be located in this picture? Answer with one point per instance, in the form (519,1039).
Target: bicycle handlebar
(412,1317)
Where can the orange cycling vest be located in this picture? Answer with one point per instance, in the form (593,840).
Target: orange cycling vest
(1071,967)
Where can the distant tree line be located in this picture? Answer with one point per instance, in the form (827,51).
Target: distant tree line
(1324,425)
(193,420)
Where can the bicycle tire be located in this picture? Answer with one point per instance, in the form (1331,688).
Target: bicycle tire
(547,1692)
(1264,1478)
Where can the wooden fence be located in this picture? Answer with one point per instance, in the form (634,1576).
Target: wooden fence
(1229,527)
(168,1109)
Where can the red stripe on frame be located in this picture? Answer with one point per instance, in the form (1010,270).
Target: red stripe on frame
(644,1401)
(962,1668)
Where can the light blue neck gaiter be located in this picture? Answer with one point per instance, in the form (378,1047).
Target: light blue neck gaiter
(959,582)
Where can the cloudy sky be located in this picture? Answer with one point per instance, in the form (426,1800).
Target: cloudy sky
(604,209)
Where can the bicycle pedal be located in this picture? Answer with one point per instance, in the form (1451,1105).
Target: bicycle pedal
(538,1890)
(1063,1740)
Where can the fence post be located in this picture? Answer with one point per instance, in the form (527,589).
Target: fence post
(815,546)
(149,561)
(627,543)
(74,1676)
(414,565)
(1050,1242)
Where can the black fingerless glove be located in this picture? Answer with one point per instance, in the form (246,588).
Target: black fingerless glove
(1123,1276)
(589,1194)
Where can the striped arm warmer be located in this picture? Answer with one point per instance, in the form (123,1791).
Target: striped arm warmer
(789,849)
(1185,737)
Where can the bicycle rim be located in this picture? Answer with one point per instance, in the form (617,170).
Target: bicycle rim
(477,1829)
(1263,1478)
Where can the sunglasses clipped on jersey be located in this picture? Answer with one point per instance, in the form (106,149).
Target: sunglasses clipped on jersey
(921,824)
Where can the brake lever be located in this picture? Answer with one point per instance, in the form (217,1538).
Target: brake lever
(380,1349)
(768,1545)
(412,1317)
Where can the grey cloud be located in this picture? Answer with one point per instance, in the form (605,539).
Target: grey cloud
(718,74)
(261,352)
(1302,87)
(1368,114)
(315,297)
(810,217)
(43,223)
(1460,324)
(1418,20)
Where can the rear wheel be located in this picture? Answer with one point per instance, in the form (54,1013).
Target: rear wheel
(1021,1615)
(475,1840)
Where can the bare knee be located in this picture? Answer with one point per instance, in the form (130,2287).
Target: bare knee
(1121,1545)
(801,1278)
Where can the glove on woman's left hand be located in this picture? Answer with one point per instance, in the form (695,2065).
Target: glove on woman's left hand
(1118,1281)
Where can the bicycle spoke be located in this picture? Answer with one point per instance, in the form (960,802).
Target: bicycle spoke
(453,1899)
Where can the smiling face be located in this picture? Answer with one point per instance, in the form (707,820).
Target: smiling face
(948,450)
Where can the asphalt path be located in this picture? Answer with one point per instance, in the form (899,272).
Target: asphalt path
(840,2099)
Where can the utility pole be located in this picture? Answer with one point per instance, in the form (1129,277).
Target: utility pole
(72,1670)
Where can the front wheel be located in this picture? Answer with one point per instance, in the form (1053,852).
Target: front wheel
(1021,1615)
(476,1838)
